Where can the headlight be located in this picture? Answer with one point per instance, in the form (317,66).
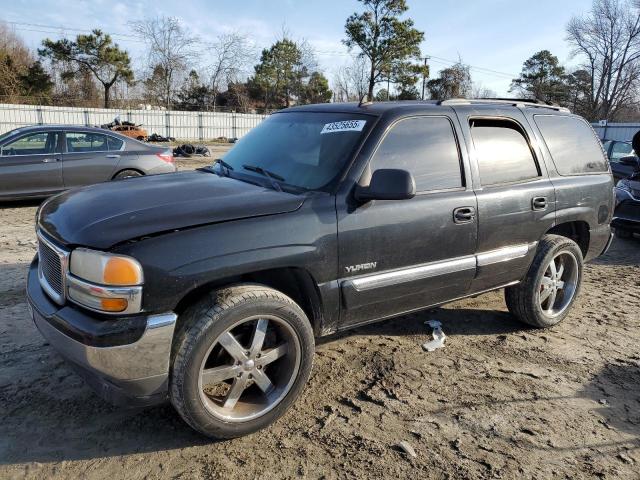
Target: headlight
(105,282)
(105,268)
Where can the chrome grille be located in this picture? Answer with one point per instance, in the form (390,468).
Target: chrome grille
(52,265)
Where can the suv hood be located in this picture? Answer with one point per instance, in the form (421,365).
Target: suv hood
(100,216)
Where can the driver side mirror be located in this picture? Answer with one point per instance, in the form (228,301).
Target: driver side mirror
(387,184)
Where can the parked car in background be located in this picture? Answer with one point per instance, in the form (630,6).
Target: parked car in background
(132,131)
(42,160)
(626,218)
(622,158)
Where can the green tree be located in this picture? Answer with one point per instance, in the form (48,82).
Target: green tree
(579,85)
(406,75)
(382,37)
(317,89)
(95,52)
(194,95)
(36,82)
(452,82)
(279,75)
(542,77)
(382,95)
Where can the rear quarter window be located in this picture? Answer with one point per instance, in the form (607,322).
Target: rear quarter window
(574,147)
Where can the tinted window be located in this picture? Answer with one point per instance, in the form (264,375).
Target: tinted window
(86,142)
(572,143)
(424,146)
(305,149)
(34,144)
(114,143)
(503,152)
(619,150)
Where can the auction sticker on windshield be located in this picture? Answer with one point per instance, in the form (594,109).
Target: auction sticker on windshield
(344,126)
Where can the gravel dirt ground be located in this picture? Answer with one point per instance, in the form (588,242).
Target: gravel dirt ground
(499,401)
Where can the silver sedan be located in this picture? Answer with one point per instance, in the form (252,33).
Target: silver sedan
(42,160)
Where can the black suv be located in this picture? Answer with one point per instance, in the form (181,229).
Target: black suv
(208,287)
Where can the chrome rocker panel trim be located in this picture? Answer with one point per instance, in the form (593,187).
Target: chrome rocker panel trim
(434,269)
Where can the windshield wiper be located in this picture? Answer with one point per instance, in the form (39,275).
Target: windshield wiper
(270,175)
(226,167)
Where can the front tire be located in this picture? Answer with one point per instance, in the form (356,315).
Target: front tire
(546,294)
(241,357)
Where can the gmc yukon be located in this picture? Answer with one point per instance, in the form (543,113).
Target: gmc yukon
(208,287)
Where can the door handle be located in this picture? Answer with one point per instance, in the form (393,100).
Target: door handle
(113,156)
(539,203)
(50,160)
(464,215)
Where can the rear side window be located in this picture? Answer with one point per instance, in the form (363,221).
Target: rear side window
(503,152)
(573,145)
(82,142)
(114,143)
(427,148)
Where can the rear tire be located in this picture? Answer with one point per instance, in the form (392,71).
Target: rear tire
(127,174)
(241,357)
(546,295)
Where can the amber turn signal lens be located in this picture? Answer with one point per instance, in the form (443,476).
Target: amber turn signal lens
(120,271)
(113,304)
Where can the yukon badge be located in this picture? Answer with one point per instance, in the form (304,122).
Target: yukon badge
(362,266)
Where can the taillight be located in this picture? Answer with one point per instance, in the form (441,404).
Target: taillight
(165,157)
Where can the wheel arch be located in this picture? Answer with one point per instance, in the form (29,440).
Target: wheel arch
(576,230)
(297,283)
(119,171)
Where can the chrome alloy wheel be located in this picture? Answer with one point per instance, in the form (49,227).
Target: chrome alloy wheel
(249,368)
(558,284)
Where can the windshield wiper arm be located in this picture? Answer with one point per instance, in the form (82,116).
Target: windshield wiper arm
(270,175)
(226,167)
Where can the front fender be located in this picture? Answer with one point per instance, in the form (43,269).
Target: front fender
(176,263)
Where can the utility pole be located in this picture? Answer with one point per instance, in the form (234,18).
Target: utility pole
(424,76)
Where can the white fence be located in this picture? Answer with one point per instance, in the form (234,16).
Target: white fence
(617,131)
(169,123)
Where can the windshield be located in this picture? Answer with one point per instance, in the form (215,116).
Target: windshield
(10,132)
(302,149)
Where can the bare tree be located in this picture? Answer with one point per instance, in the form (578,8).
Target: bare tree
(171,49)
(15,57)
(478,90)
(608,39)
(231,55)
(351,81)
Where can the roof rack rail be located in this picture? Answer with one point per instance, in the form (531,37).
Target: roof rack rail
(518,102)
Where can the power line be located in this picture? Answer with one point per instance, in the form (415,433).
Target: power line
(53,29)
(58,29)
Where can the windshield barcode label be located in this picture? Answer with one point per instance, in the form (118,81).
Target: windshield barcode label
(345,126)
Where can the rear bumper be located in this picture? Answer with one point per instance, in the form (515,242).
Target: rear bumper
(130,374)
(599,241)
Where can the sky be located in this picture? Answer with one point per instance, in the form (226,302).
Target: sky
(493,36)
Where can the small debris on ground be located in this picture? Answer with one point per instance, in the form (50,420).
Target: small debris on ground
(188,150)
(438,336)
(625,458)
(407,448)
